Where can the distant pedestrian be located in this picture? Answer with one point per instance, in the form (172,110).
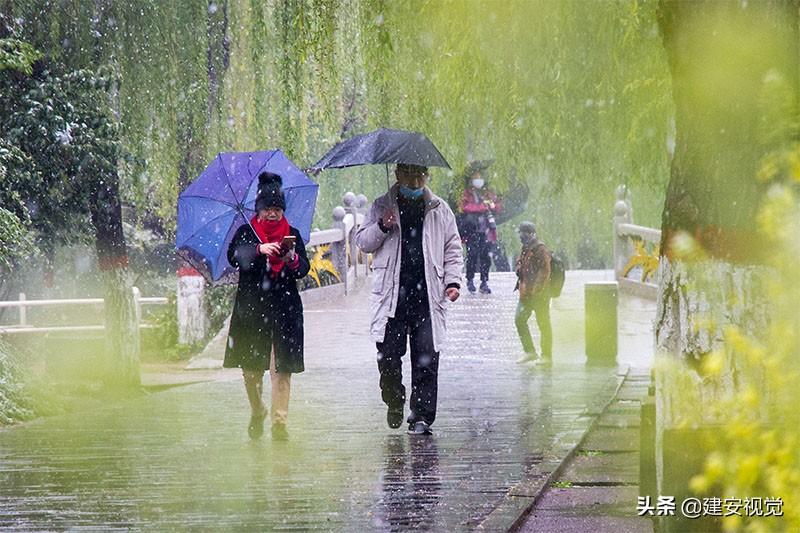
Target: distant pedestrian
(266,330)
(478,206)
(533,276)
(416,269)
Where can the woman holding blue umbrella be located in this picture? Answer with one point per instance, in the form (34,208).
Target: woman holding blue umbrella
(266,330)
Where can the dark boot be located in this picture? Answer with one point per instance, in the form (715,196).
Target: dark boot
(394,417)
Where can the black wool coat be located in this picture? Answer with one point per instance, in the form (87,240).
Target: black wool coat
(267,309)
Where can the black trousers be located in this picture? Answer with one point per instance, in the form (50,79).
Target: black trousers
(424,365)
(478,259)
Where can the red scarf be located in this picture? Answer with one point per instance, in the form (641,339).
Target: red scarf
(272,231)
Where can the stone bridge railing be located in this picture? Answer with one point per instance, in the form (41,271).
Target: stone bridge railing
(636,250)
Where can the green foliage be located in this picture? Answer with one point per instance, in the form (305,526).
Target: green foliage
(166,323)
(218,302)
(17,55)
(568,97)
(14,404)
(15,241)
(58,141)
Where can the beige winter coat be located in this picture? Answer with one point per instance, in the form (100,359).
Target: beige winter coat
(441,246)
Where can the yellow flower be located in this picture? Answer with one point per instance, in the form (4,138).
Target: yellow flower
(748,471)
(715,467)
(699,484)
(769,168)
(714,363)
(750,397)
(732,523)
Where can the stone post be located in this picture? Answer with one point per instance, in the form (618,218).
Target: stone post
(339,249)
(361,209)
(23,312)
(600,301)
(621,246)
(191,312)
(137,307)
(349,200)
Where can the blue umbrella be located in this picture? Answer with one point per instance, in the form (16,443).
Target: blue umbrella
(222,198)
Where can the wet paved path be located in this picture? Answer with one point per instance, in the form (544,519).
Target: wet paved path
(181,459)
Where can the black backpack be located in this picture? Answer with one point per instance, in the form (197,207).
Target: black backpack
(556,282)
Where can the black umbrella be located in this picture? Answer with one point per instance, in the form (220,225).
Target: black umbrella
(383,146)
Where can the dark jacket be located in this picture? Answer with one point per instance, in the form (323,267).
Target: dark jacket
(267,308)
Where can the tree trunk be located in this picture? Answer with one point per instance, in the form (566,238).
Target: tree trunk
(720,56)
(121,313)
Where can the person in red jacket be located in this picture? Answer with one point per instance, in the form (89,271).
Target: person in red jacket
(478,206)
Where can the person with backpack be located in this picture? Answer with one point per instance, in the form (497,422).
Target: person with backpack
(534,268)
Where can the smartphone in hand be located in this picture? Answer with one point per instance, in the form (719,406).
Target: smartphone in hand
(288,243)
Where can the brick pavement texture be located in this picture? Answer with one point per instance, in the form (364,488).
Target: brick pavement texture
(597,489)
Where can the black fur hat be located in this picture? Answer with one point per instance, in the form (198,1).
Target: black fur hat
(269,191)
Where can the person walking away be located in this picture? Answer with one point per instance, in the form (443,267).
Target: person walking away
(533,275)
(479,206)
(416,269)
(266,330)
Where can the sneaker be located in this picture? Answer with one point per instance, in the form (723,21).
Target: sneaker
(531,357)
(279,432)
(471,286)
(394,417)
(485,288)
(545,361)
(256,427)
(419,428)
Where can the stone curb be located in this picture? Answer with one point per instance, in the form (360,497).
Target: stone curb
(518,502)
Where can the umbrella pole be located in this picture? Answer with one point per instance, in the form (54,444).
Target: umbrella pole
(249,224)
(388,187)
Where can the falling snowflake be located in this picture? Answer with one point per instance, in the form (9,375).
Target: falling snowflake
(65,136)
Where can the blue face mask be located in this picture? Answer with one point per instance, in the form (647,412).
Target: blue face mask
(411,194)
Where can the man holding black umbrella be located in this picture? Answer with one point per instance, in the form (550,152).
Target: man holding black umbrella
(416,270)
